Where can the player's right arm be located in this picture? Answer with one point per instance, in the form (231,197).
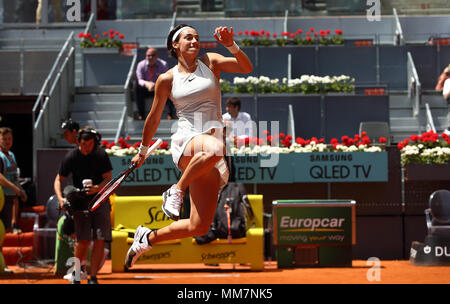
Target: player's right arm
(163,88)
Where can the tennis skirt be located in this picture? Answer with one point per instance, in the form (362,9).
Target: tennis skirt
(181,139)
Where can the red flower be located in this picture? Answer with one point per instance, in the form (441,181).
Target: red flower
(339,32)
(400,145)
(328,32)
(308,38)
(292,35)
(300,141)
(315,140)
(267,34)
(312,29)
(274,35)
(111,36)
(322,140)
(265,132)
(117,33)
(239,33)
(363,133)
(111,31)
(414,137)
(127,138)
(121,36)
(105,34)
(315,34)
(382,139)
(262,32)
(285,34)
(282,135)
(246,32)
(334,141)
(81,35)
(299,31)
(366,140)
(105,143)
(323,33)
(164,145)
(308,33)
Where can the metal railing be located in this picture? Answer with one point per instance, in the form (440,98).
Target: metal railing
(429,119)
(399,39)
(128,108)
(414,86)
(53,100)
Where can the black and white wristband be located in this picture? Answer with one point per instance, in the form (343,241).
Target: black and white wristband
(143,150)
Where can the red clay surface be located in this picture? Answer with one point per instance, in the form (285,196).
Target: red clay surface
(391,272)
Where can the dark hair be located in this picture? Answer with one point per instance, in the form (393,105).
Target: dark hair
(88,133)
(5,130)
(170,48)
(234,101)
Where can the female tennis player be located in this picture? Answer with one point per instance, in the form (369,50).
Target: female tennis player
(197,146)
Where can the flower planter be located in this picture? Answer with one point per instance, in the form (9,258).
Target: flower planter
(96,59)
(427,172)
(101,50)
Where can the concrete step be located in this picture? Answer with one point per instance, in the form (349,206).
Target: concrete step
(96,115)
(100,124)
(100,89)
(97,97)
(87,106)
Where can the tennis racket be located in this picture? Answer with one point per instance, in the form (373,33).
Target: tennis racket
(112,186)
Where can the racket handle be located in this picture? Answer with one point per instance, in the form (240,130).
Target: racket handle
(155,146)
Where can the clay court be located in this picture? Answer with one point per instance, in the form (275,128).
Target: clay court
(391,272)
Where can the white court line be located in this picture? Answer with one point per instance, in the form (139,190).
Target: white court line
(188,276)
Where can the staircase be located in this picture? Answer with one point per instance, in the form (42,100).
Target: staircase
(135,127)
(99,107)
(402,122)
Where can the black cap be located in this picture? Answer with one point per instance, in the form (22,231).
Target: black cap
(69,124)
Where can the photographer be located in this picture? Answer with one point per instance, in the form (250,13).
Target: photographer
(91,169)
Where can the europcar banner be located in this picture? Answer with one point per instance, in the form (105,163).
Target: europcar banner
(314,222)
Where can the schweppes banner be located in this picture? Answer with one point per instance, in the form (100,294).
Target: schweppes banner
(319,167)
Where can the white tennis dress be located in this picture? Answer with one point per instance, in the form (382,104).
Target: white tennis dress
(197,99)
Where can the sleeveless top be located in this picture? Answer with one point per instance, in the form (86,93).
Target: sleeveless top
(197,99)
(9,171)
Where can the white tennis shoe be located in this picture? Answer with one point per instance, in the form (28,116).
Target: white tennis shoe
(139,246)
(172,200)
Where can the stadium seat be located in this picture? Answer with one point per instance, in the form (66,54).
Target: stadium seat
(438,213)
(375,130)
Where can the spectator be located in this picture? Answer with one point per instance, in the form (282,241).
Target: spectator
(56,11)
(147,72)
(239,123)
(70,128)
(9,177)
(443,85)
(87,161)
